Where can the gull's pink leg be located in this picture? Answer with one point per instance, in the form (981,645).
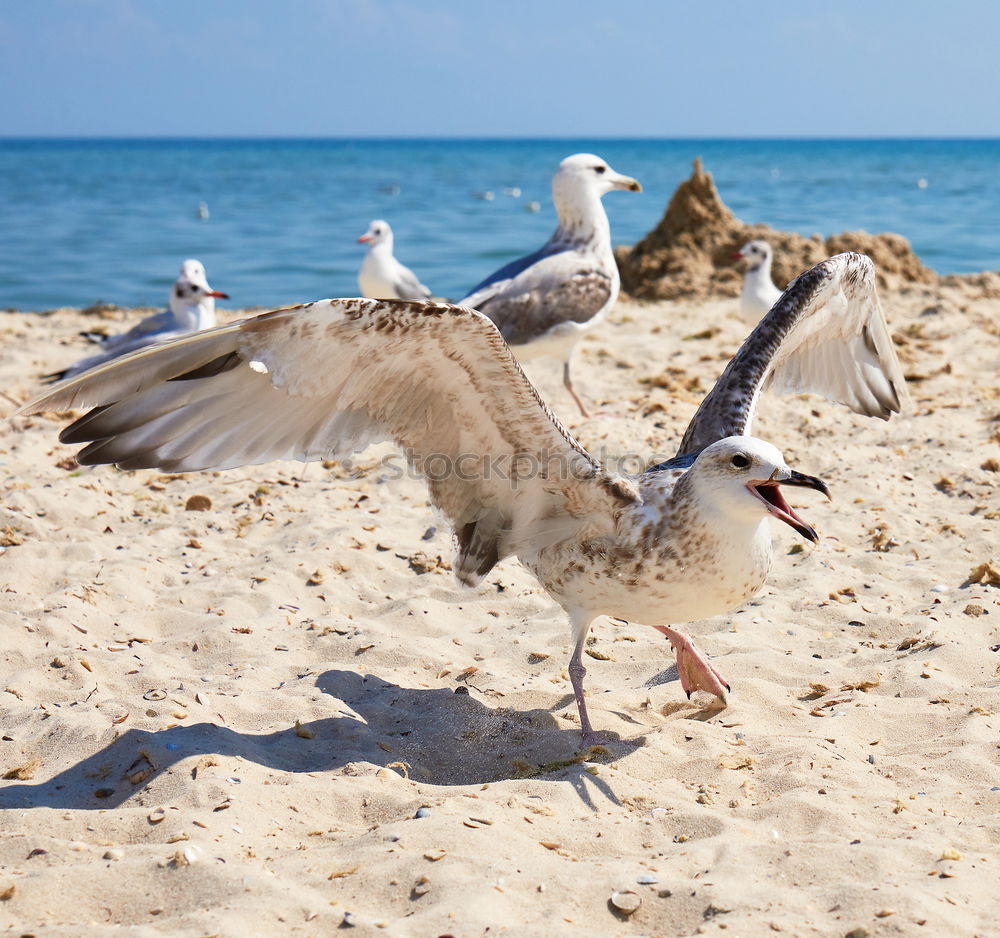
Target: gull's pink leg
(577,672)
(568,383)
(692,666)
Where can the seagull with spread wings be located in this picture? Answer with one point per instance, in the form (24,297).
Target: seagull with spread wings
(544,303)
(683,541)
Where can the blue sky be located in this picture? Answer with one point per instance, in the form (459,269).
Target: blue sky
(506,68)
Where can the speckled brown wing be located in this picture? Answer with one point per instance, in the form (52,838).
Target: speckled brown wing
(826,335)
(323,381)
(522,315)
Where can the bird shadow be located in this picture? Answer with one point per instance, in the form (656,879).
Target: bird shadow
(435,736)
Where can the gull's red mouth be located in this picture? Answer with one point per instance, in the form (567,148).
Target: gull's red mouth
(769,492)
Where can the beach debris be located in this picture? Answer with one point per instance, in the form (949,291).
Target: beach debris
(864,685)
(423,563)
(157,693)
(985,574)
(340,874)
(435,855)
(402,767)
(626,901)
(11,537)
(817,711)
(302,732)
(114,853)
(646,879)
(190,855)
(423,812)
(974,609)
(7,892)
(348,920)
(917,643)
(22,773)
(316,578)
(156,815)
(140,769)
(198,503)
(950,854)
(421,887)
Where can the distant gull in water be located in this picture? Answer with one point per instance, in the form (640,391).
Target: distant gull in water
(382,277)
(192,307)
(759,293)
(683,541)
(544,303)
(203,212)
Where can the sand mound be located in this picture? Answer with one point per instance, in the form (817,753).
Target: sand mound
(689,254)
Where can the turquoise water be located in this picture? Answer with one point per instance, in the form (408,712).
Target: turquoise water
(111,220)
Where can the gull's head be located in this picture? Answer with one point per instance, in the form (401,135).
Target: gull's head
(754,253)
(378,232)
(742,477)
(584,173)
(191,287)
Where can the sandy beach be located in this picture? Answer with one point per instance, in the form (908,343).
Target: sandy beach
(256,702)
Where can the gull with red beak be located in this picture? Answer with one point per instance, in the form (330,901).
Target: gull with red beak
(382,277)
(192,307)
(545,302)
(687,539)
(759,293)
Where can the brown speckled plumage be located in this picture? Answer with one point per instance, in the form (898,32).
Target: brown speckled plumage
(326,379)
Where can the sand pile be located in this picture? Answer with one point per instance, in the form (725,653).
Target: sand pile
(689,254)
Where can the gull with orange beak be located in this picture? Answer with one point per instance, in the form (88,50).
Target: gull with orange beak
(192,307)
(382,277)
(684,540)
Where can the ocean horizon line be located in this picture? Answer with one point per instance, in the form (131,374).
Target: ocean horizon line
(449,138)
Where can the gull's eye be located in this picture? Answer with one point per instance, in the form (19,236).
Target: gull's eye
(741,461)
(599,169)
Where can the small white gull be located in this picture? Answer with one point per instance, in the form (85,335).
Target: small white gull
(759,293)
(382,277)
(192,307)
(544,303)
(683,541)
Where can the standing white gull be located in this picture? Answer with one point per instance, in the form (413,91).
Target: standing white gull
(544,303)
(382,277)
(759,293)
(683,541)
(192,307)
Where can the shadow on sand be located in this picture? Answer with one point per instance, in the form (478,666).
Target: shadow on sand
(445,738)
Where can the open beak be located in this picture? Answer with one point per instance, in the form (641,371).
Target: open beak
(737,255)
(364,239)
(626,182)
(769,492)
(218,294)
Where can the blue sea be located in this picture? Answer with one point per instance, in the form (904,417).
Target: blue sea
(111,220)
